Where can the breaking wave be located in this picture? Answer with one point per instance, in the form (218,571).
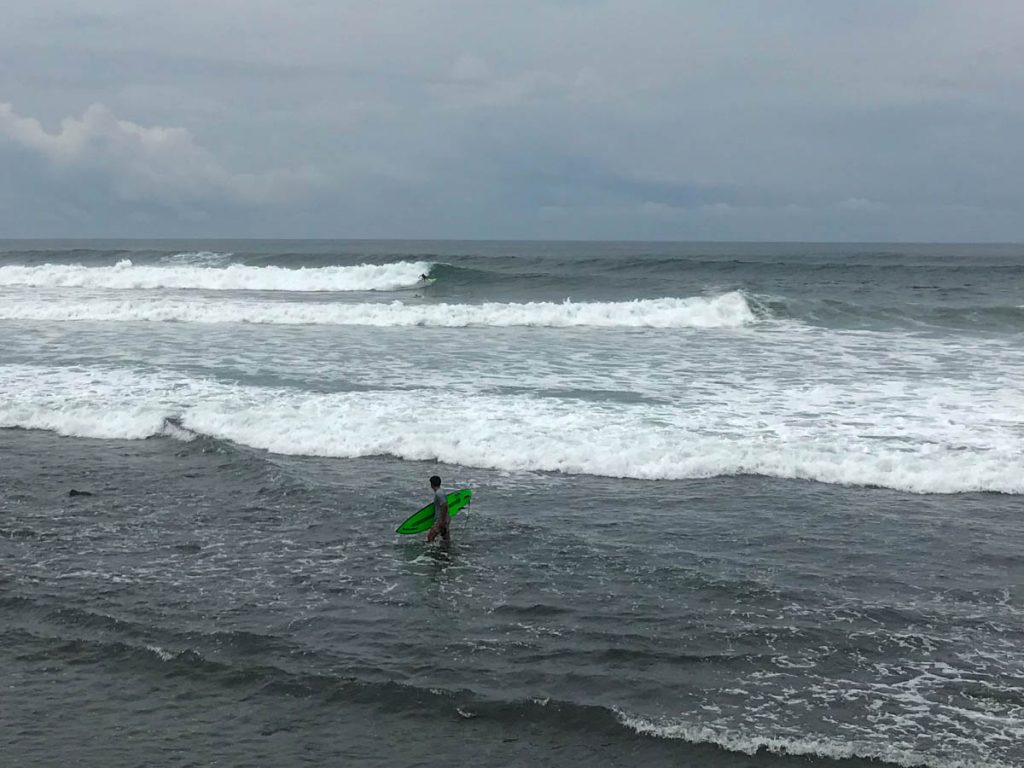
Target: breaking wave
(198,258)
(199,271)
(514,433)
(729,310)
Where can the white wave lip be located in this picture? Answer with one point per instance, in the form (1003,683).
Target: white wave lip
(729,310)
(519,433)
(192,271)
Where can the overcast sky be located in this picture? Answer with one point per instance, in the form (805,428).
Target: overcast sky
(617,119)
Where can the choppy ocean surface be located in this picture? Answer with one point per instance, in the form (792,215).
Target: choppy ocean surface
(734,505)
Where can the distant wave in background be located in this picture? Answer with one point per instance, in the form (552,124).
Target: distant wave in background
(728,311)
(195,271)
(865,291)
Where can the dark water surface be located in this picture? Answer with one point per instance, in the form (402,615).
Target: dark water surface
(213,605)
(734,505)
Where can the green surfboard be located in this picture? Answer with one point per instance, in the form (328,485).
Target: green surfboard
(422,520)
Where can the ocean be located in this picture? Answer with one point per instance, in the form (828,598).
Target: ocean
(734,504)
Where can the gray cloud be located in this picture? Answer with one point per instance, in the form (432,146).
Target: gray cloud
(141,163)
(794,120)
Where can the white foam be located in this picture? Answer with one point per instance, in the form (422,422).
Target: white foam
(198,258)
(809,745)
(928,454)
(907,712)
(194,271)
(729,310)
(161,653)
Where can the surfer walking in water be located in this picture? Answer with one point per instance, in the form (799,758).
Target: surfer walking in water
(440,527)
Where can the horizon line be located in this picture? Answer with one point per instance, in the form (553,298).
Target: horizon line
(625,241)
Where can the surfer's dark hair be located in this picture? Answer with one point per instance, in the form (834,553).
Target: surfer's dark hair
(435,482)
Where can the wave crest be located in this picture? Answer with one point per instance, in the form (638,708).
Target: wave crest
(729,310)
(197,271)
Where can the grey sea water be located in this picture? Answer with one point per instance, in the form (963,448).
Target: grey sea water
(733,504)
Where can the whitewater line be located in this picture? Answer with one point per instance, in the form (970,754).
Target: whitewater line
(235,277)
(729,310)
